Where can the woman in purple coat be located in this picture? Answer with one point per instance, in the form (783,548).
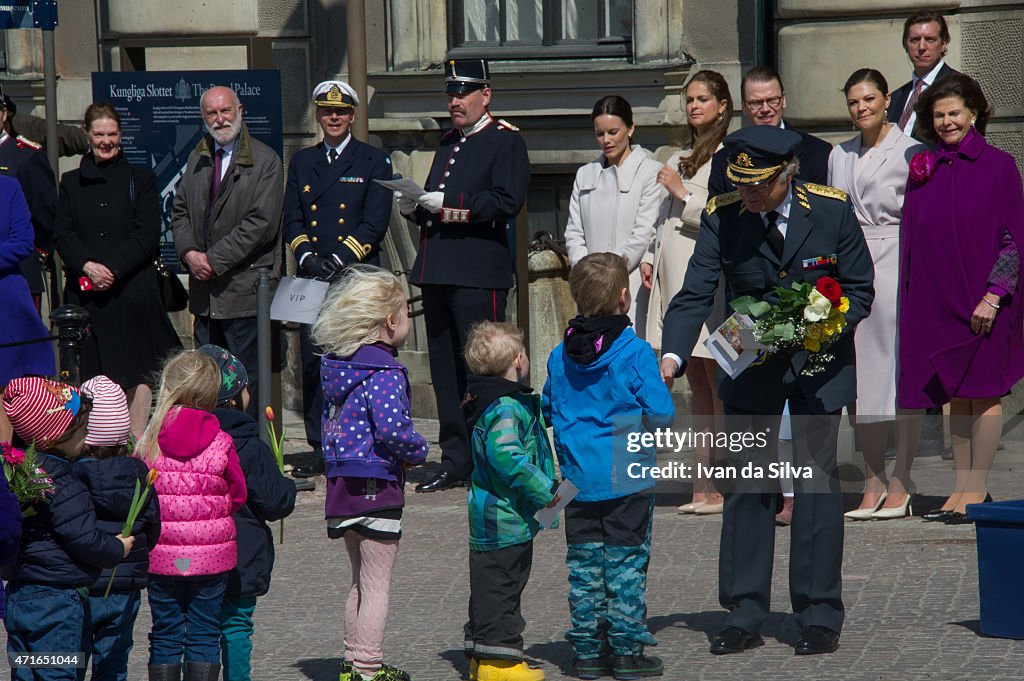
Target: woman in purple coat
(961,311)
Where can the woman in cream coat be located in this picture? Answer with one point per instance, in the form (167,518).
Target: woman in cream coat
(872,168)
(616,201)
(685,176)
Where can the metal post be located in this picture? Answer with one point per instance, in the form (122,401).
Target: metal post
(263,348)
(50,89)
(355,27)
(72,324)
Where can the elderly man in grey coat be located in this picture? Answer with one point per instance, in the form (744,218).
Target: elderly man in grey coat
(226,223)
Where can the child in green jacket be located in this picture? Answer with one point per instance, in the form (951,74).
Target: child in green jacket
(513,477)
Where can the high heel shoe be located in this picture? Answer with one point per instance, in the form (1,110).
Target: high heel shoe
(901,511)
(865,513)
(710,509)
(691,507)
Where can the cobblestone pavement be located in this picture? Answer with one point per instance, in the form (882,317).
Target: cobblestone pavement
(910,590)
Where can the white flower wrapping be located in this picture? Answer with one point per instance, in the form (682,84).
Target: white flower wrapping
(817,308)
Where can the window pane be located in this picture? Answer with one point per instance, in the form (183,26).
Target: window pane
(481,21)
(525,21)
(619,19)
(580,19)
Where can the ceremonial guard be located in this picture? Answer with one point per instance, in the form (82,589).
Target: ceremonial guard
(771,232)
(335,215)
(23,160)
(477,186)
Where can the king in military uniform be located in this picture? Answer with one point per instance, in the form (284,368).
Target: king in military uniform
(335,215)
(773,231)
(23,160)
(477,186)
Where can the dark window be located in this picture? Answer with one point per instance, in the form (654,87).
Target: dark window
(564,28)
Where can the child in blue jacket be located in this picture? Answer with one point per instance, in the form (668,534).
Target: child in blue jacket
(270,496)
(603,384)
(64,548)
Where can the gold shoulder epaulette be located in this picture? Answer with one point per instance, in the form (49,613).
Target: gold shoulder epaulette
(503,122)
(29,143)
(825,190)
(721,200)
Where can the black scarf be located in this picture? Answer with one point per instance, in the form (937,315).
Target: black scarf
(587,338)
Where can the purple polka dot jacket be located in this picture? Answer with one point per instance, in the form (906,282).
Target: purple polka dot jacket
(367,426)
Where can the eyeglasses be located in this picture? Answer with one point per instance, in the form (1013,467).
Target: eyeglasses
(756,104)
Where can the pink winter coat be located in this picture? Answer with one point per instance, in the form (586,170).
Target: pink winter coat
(200,485)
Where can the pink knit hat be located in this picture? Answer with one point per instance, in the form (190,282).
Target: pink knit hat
(109,422)
(40,410)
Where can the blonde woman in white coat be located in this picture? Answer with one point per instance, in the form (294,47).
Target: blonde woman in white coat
(616,201)
(685,177)
(872,168)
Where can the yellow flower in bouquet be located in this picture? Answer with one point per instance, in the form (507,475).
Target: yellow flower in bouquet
(844,304)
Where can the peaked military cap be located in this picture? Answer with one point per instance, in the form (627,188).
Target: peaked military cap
(335,93)
(757,154)
(466,75)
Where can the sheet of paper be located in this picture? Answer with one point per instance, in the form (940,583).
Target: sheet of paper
(409,189)
(733,346)
(298,300)
(566,493)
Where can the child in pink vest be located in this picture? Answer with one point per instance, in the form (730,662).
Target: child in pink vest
(200,485)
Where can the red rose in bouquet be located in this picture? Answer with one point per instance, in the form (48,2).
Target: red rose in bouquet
(830,288)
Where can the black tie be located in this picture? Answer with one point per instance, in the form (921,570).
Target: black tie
(774,235)
(332,156)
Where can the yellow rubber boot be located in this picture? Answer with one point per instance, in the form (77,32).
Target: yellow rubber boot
(506,670)
(473,664)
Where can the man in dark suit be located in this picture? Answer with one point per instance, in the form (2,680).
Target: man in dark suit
(925,38)
(764,100)
(477,185)
(774,231)
(335,215)
(22,159)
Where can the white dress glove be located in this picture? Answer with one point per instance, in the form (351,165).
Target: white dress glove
(432,201)
(406,206)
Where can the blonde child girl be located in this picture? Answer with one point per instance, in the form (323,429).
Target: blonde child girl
(368,440)
(200,485)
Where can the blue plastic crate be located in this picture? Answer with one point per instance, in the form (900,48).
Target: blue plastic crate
(1000,528)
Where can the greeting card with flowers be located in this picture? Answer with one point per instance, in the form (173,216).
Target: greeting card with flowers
(806,317)
(27,480)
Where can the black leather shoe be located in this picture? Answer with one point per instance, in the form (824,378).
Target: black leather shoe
(734,640)
(815,640)
(936,516)
(955,518)
(443,480)
(315,467)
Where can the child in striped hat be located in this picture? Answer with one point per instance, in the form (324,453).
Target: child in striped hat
(110,474)
(63,548)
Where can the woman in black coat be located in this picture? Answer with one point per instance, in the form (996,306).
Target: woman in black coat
(107,234)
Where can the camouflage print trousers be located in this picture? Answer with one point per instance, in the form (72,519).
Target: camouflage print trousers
(609,550)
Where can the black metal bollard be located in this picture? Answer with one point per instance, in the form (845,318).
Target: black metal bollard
(263,342)
(72,324)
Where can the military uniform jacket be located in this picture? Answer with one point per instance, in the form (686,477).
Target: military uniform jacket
(23,160)
(337,208)
(823,237)
(484,177)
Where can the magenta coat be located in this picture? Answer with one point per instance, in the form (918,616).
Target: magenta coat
(954,228)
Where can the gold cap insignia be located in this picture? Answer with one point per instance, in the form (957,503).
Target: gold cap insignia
(744,160)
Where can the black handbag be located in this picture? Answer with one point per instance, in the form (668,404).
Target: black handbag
(172,292)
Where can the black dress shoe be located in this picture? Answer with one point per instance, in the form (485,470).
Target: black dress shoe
(734,640)
(310,471)
(443,480)
(936,516)
(955,518)
(815,640)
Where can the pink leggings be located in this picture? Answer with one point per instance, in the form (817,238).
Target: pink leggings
(366,611)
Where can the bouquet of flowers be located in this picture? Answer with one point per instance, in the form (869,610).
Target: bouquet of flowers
(27,480)
(805,318)
(277,447)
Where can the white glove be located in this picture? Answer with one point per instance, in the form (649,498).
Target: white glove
(432,201)
(406,206)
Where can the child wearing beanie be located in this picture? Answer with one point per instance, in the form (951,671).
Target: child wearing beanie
(63,548)
(110,473)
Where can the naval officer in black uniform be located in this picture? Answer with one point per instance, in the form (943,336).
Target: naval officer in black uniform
(477,186)
(335,215)
(771,232)
(23,160)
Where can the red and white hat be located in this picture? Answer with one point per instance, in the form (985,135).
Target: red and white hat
(39,409)
(109,421)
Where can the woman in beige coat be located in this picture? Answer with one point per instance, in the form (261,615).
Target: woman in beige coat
(685,176)
(616,201)
(872,168)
